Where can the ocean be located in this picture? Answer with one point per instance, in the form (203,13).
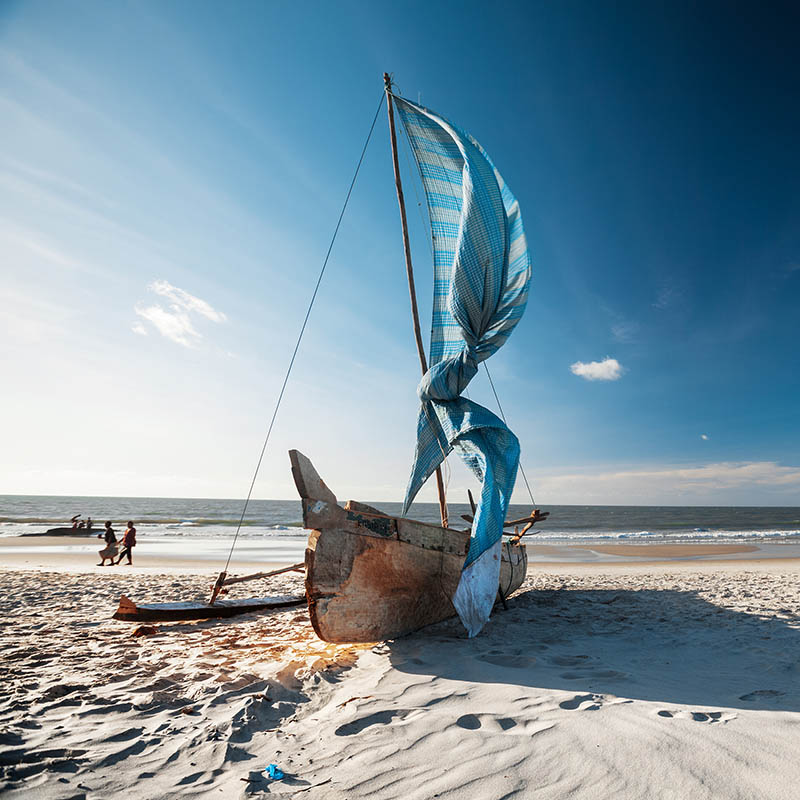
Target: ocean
(176,518)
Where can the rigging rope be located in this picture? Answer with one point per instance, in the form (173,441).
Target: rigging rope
(302,330)
(524,476)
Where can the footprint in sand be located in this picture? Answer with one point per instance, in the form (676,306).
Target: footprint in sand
(595,702)
(472,722)
(124,736)
(114,758)
(569,661)
(591,674)
(762,694)
(510,661)
(378,718)
(189,778)
(709,717)
(60,690)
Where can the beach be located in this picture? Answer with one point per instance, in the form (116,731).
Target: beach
(361,318)
(666,677)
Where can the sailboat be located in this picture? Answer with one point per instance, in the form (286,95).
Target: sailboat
(371,576)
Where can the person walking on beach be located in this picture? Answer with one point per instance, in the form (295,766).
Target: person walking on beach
(128,543)
(111,549)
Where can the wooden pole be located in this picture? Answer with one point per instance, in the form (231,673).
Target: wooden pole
(423,362)
(294,568)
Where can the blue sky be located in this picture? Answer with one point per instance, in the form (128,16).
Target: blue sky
(182,165)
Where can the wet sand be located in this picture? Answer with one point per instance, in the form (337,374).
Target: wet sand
(673,550)
(81,553)
(646,553)
(208,556)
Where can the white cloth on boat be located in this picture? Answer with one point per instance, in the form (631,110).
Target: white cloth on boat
(477,589)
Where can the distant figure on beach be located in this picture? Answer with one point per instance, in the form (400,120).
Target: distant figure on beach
(128,543)
(89,523)
(74,521)
(111,549)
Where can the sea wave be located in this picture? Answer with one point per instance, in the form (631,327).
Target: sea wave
(697,534)
(177,529)
(201,528)
(60,522)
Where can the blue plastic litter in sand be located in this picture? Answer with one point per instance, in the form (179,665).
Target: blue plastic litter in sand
(273,772)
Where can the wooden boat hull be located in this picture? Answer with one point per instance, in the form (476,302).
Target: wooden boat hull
(371,577)
(362,589)
(129,611)
(513,568)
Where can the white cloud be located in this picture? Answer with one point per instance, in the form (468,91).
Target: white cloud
(186,301)
(609,369)
(740,483)
(175,323)
(704,437)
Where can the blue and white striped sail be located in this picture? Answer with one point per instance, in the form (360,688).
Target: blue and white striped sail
(482,269)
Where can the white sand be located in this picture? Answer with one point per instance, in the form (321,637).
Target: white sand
(605,681)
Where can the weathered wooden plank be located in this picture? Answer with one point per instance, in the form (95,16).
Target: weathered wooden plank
(370,576)
(367,589)
(257,575)
(537,516)
(320,515)
(309,484)
(363,589)
(354,505)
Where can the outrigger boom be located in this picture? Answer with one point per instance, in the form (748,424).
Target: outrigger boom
(224,580)
(129,611)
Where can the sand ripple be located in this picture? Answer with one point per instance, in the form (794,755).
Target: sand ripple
(647,683)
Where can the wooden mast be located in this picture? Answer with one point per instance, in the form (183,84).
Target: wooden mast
(410,272)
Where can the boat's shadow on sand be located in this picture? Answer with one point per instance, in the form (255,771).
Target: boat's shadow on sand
(666,646)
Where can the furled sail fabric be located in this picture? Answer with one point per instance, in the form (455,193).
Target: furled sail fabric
(481,274)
